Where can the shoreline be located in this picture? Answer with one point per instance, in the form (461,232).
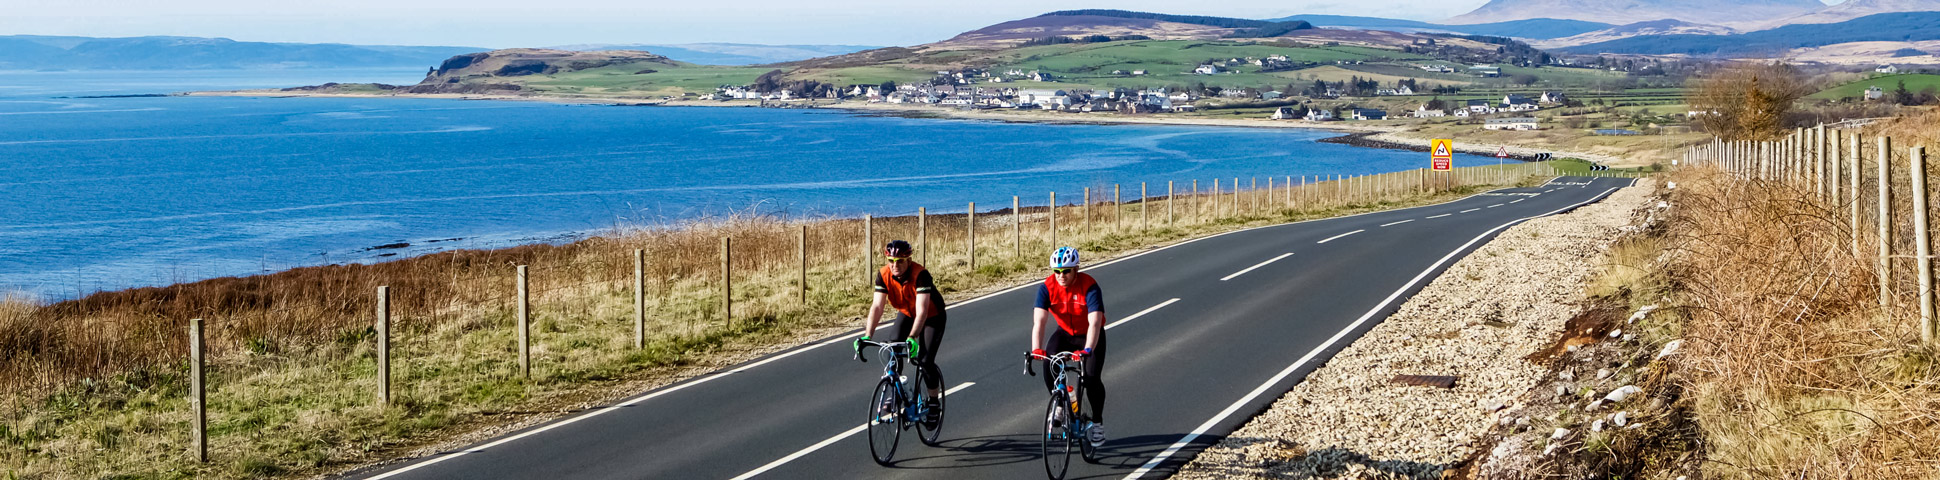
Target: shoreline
(1352,134)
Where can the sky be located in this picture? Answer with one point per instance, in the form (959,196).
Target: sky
(525,23)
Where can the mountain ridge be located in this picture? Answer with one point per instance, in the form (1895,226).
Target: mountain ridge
(1716,12)
(174,52)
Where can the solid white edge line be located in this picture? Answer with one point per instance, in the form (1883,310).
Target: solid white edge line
(1397,223)
(1181,444)
(1442,215)
(1469,210)
(1140,313)
(1330,239)
(1261,264)
(837,338)
(831,440)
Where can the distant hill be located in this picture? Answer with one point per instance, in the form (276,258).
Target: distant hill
(1852,9)
(1716,12)
(1654,27)
(25,52)
(1119,23)
(1894,27)
(1534,28)
(490,72)
(731,53)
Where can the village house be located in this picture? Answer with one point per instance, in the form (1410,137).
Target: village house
(1398,90)
(1319,115)
(1037,76)
(1480,106)
(1369,114)
(1554,98)
(1271,95)
(1887,69)
(1138,72)
(1284,113)
(1874,93)
(1485,71)
(1511,123)
(1424,112)
(1461,113)
(1207,69)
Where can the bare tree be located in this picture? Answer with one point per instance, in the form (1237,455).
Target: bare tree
(1747,101)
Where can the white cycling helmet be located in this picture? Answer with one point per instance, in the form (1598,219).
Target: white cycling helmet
(1064,257)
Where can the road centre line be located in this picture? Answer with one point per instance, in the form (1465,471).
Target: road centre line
(1493,206)
(1140,313)
(837,338)
(830,440)
(1330,239)
(1469,210)
(1183,442)
(1398,223)
(1262,264)
(1514,201)
(1442,215)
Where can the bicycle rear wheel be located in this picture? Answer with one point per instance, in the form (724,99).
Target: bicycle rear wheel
(929,427)
(1057,437)
(885,421)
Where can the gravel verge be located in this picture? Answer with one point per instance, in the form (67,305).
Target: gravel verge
(1478,321)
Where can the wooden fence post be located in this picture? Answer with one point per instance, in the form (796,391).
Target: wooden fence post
(1195,201)
(525,325)
(1269,193)
(1834,167)
(1144,208)
(801,254)
(1169,198)
(198,395)
(727,282)
(1923,259)
(971,218)
(639,298)
(1117,209)
(1855,169)
(383,329)
(1054,220)
(1885,223)
(922,235)
(1017,226)
(868,251)
(1087,212)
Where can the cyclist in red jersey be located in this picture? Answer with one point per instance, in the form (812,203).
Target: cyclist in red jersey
(908,287)
(1077,304)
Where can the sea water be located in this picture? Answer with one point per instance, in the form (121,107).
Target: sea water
(109,193)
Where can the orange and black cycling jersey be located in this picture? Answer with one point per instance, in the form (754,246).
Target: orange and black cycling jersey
(901,291)
(1071,304)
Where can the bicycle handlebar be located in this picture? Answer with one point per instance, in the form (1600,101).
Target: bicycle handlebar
(1056,357)
(893,347)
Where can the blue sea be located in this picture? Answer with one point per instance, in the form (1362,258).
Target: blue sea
(110,193)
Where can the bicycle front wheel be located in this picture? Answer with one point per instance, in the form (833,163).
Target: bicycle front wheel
(1057,437)
(885,421)
(929,425)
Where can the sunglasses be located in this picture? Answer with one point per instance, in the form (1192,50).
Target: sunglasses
(897,259)
(1064,270)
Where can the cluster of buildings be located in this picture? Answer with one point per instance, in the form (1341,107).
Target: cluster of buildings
(1509,103)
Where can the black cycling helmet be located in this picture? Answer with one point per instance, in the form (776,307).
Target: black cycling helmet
(896,249)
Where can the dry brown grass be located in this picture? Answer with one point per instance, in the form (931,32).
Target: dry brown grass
(1793,369)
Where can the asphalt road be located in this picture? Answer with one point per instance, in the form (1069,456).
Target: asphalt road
(1203,334)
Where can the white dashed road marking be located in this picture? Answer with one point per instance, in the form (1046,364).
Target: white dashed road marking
(1330,239)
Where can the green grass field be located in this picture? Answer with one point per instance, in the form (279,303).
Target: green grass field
(1914,82)
(662,81)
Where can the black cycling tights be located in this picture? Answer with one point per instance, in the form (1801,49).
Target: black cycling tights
(932,338)
(1094,383)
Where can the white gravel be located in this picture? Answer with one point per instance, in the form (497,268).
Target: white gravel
(1478,320)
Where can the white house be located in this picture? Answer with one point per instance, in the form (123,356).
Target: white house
(1207,69)
(1424,112)
(1271,95)
(1369,114)
(1138,72)
(1039,96)
(1461,113)
(1887,69)
(1042,77)
(1480,106)
(1512,123)
(1874,93)
(1284,113)
(1319,115)
(1553,98)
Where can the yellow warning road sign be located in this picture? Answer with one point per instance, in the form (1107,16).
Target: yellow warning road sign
(1442,151)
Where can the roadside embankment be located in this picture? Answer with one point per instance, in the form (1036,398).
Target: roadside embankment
(1478,321)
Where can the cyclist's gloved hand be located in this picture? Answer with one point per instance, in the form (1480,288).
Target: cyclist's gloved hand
(913,349)
(1040,352)
(857,346)
(1081,354)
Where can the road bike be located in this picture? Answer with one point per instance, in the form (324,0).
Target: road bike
(1065,421)
(901,403)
